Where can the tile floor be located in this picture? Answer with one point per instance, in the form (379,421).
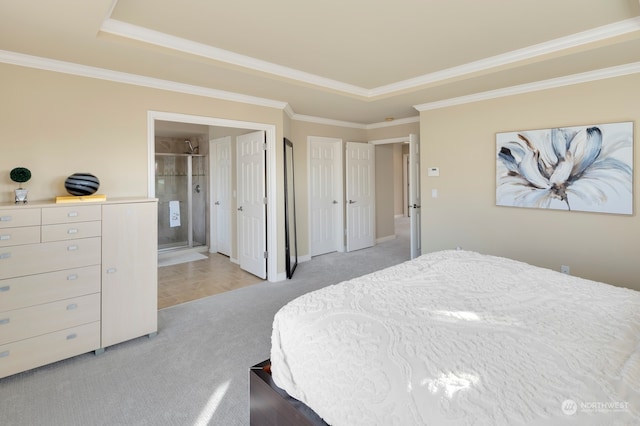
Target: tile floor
(194,280)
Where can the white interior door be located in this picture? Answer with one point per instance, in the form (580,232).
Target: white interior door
(414,194)
(222,201)
(361,207)
(325,195)
(251,203)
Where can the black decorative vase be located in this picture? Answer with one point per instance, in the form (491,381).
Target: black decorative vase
(81,184)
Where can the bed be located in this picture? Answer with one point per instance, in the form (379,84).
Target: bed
(457,337)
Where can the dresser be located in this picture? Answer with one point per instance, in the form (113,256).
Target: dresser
(75,278)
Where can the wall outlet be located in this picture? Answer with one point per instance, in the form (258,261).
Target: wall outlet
(565,269)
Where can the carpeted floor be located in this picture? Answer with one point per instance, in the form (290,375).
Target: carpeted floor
(195,372)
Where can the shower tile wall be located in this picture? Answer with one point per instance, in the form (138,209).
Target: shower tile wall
(177,145)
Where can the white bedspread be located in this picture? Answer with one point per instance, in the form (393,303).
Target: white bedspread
(456,337)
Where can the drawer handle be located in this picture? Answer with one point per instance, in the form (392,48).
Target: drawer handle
(5,288)
(5,255)
(72,336)
(4,354)
(72,248)
(72,231)
(4,321)
(111,270)
(72,306)
(6,218)
(72,277)
(5,237)
(72,214)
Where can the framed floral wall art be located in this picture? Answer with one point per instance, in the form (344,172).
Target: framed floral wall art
(582,168)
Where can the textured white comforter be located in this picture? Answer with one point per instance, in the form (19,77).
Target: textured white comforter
(456,337)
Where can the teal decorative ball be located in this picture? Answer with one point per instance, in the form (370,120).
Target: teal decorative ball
(82,184)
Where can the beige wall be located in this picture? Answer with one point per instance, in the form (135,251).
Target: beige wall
(57,124)
(461,141)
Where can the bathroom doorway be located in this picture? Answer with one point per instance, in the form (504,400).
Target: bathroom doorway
(156,120)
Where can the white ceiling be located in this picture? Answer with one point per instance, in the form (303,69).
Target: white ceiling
(358,61)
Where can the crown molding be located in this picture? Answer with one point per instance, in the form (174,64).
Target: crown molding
(331,122)
(145,35)
(390,140)
(29,61)
(134,32)
(585,77)
(327,121)
(575,40)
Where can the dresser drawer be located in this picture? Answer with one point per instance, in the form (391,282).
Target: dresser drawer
(19,217)
(30,353)
(43,288)
(32,259)
(18,236)
(52,215)
(20,324)
(70,231)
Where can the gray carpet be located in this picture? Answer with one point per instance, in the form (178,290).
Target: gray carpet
(195,372)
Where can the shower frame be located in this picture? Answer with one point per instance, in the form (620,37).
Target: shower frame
(189,175)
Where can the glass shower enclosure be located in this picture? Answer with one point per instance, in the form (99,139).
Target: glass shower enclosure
(181,189)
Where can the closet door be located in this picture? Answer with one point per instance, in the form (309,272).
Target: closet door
(129,271)
(326,230)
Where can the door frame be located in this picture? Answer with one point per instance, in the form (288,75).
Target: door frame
(271,170)
(403,140)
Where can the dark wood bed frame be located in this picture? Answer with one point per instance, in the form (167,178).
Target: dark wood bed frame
(271,406)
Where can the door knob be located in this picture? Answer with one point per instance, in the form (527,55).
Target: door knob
(335,202)
(351,202)
(240,208)
(415,206)
(217,203)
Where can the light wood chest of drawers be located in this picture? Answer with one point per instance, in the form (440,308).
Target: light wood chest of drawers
(75,278)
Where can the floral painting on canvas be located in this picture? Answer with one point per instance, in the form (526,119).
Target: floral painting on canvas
(583,168)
